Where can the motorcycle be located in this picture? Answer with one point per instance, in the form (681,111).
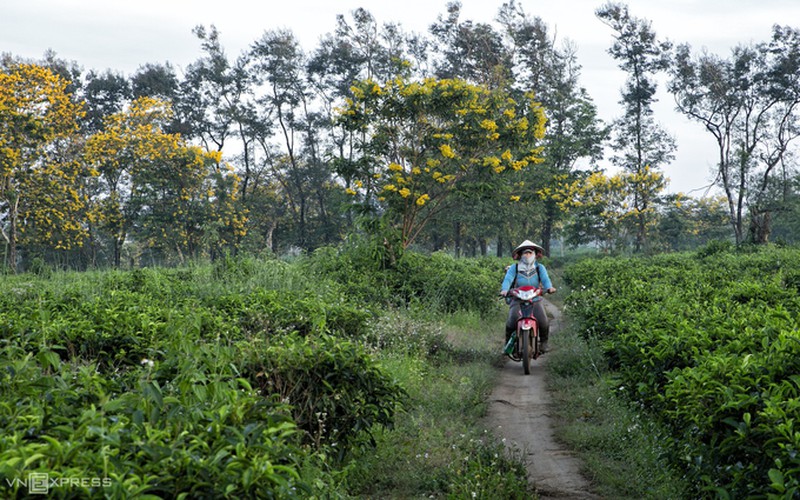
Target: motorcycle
(525,344)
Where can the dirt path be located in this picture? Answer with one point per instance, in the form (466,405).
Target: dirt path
(519,411)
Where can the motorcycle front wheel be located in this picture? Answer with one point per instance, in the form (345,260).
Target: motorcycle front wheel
(525,335)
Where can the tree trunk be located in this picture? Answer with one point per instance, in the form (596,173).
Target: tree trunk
(303,237)
(457,231)
(12,233)
(760,226)
(268,243)
(547,230)
(12,243)
(118,252)
(437,242)
(641,232)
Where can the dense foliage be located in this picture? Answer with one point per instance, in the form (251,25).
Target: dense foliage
(436,281)
(241,378)
(204,381)
(707,341)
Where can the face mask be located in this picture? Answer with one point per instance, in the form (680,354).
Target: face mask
(528,258)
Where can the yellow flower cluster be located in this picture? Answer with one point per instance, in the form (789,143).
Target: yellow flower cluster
(519,165)
(357,92)
(491,161)
(489,125)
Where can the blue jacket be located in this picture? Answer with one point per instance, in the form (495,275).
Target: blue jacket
(534,279)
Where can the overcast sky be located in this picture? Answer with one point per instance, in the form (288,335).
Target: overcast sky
(123,35)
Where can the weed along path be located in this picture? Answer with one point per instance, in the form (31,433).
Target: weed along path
(519,411)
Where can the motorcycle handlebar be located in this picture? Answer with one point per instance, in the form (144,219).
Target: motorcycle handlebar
(500,294)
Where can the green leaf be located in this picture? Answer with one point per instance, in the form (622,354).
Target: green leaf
(33,458)
(777,479)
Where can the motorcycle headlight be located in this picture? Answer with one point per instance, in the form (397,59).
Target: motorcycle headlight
(527,294)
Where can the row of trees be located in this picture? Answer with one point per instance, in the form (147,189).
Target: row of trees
(749,103)
(438,138)
(75,190)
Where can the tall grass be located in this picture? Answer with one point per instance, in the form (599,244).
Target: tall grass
(439,447)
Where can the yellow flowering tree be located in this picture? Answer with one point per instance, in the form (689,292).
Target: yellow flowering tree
(603,209)
(422,141)
(155,183)
(38,187)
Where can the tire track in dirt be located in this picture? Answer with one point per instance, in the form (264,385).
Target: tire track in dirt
(519,409)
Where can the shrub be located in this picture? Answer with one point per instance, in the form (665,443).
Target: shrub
(198,431)
(709,342)
(76,397)
(440,281)
(337,393)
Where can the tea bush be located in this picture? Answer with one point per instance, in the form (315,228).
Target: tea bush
(709,341)
(271,312)
(335,390)
(399,333)
(202,433)
(147,380)
(118,322)
(439,281)
(449,284)
(238,379)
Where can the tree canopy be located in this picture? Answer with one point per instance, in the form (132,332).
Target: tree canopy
(473,135)
(426,139)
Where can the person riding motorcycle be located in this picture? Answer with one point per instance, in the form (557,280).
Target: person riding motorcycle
(527,272)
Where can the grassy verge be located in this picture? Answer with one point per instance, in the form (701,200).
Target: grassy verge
(624,453)
(438,447)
